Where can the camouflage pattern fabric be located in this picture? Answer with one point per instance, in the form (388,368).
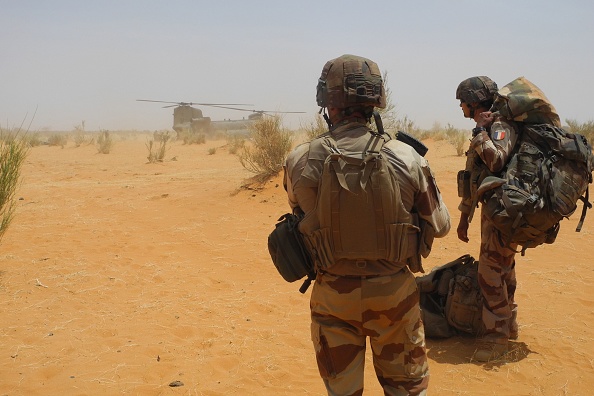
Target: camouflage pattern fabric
(496,146)
(350,80)
(522,101)
(493,149)
(476,89)
(497,280)
(346,310)
(496,273)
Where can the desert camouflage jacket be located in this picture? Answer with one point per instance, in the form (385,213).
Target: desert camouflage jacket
(489,153)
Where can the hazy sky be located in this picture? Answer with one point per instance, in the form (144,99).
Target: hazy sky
(77,60)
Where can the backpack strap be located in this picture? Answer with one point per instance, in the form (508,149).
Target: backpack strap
(587,205)
(370,156)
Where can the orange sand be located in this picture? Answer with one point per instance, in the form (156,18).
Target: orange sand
(120,277)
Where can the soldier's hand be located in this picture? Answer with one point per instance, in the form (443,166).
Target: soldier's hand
(463,228)
(484,119)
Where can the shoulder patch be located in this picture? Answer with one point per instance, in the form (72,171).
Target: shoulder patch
(498,135)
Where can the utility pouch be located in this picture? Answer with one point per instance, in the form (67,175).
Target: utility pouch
(288,252)
(464,304)
(463,184)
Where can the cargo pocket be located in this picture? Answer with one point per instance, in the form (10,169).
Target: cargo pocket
(402,241)
(326,366)
(464,309)
(415,356)
(322,247)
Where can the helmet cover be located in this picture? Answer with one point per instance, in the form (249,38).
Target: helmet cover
(348,81)
(476,89)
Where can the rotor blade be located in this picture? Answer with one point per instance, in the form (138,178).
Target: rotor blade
(156,101)
(194,103)
(218,104)
(257,111)
(272,111)
(233,108)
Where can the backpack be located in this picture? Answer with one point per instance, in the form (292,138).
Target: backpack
(544,180)
(522,101)
(450,299)
(359,213)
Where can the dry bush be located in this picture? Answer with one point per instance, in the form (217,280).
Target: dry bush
(192,137)
(457,138)
(13,151)
(391,120)
(270,145)
(158,154)
(32,139)
(212,150)
(104,142)
(78,134)
(315,128)
(57,139)
(586,129)
(407,125)
(389,114)
(235,142)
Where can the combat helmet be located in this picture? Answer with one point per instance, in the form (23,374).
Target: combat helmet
(350,81)
(476,90)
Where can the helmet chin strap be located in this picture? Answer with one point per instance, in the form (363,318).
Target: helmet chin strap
(348,113)
(325,115)
(472,109)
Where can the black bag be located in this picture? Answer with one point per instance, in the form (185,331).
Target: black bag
(450,299)
(288,251)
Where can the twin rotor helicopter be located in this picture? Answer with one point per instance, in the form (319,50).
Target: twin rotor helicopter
(187,118)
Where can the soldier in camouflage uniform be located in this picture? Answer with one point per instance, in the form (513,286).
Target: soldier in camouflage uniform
(491,146)
(355,299)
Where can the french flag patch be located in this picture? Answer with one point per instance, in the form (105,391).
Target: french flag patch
(498,135)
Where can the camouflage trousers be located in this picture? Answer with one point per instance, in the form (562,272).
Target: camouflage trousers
(497,280)
(347,310)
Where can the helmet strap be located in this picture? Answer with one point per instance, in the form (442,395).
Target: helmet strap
(325,115)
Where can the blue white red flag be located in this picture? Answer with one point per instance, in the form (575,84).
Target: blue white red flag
(498,135)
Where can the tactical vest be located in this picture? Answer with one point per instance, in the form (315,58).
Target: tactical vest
(359,214)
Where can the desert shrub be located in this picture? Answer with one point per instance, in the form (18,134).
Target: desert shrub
(28,138)
(389,114)
(57,139)
(407,125)
(191,137)
(78,134)
(157,154)
(586,129)
(392,121)
(104,142)
(270,145)
(457,138)
(235,143)
(13,151)
(212,150)
(315,128)
(32,139)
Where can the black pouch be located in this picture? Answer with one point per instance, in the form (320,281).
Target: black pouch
(463,179)
(288,251)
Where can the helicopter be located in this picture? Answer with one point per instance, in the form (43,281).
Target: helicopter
(189,119)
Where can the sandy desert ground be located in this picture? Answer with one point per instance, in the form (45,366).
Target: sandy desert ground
(119,277)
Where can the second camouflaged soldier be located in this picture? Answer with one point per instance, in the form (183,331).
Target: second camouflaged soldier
(365,234)
(490,149)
